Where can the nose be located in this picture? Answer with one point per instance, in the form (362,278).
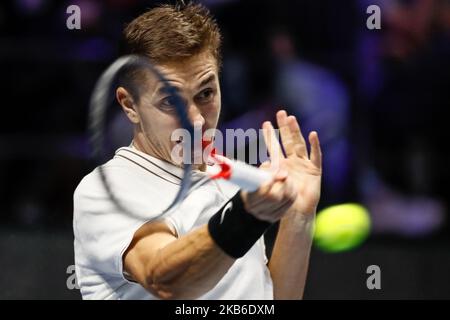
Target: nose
(195,116)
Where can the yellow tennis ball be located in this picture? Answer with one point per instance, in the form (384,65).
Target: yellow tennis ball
(341,227)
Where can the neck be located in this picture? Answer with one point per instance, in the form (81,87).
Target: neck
(141,144)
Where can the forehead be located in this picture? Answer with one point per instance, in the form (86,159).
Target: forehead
(190,71)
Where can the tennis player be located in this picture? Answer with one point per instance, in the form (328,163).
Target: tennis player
(211,246)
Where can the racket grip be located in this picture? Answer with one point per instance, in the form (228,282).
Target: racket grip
(246,176)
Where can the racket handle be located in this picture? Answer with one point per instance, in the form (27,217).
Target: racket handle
(246,176)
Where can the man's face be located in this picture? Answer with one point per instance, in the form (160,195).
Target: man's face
(196,79)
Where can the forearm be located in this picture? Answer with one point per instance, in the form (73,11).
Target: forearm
(290,256)
(188,267)
(193,264)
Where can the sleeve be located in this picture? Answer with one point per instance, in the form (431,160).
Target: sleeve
(103,231)
(199,206)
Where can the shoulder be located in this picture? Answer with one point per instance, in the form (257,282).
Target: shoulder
(92,185)
(137,190)
(120,174)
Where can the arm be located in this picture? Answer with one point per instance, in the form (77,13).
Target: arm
(288,266)
(172,268)
(189,266)
(290,256)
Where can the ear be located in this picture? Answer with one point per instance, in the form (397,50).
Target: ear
(126,101)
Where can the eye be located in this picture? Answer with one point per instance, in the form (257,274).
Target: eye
(205,96)
(168,103)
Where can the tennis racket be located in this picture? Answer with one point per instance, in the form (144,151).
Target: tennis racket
(243,175)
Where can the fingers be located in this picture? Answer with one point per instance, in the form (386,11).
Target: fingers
(316,152)
(281,175)
(272,200)
(286,136)
(297,137)
(272,143)
(265,165)
(260,195)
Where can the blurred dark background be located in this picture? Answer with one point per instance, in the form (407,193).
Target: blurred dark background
(377,98)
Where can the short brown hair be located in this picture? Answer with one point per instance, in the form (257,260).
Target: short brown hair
(169,33)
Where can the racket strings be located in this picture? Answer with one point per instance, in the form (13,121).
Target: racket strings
(100,101)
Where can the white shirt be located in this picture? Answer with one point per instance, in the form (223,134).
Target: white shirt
(146,186)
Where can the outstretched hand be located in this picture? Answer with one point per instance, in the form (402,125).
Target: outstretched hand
(304,169)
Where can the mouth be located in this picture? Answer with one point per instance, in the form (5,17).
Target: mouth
(195,150)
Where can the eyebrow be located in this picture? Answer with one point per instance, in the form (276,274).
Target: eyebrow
(211,78)
(163,89)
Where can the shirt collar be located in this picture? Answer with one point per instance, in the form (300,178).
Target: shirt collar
(157,166)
